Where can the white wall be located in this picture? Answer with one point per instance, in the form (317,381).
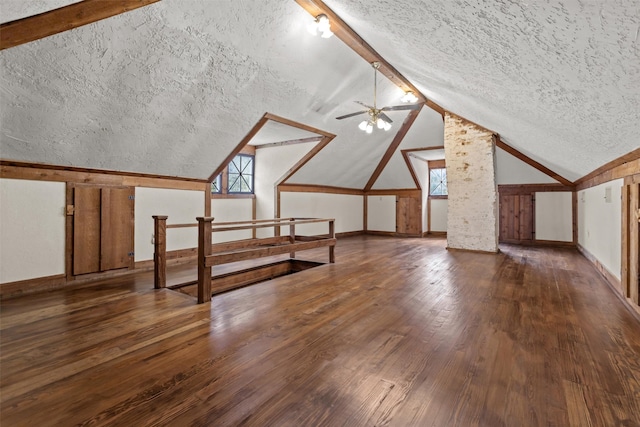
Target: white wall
(439,214)
(346,209)
(600,224)
(181,206)
(231,210)
(32,229)
(511,170)
(271,164)
(554,219)
(381,213)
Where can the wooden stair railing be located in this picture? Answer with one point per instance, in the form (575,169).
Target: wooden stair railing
(210,254)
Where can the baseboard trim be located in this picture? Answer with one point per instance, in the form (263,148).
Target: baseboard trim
(473,250)
(350,234)
(612,281)
(391,234)
(542,243)
(554,243)
(434,234)
(381,233)
(32,286)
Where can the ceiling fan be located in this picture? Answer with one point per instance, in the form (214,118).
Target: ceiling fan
(377,116)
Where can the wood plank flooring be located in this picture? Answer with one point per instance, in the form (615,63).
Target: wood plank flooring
(398,332)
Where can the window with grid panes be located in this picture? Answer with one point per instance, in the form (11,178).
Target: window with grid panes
(438,182)
(240,175)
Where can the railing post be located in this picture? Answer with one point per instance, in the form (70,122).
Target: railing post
(332,234)
(159,251)
(292,235)
(204,250)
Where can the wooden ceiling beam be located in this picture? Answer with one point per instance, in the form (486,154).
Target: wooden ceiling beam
(303,161)
(66,18)
(407,160)
(298,125)
(402,132)
(289,142)
(254,130)
(345,33)
(599,175)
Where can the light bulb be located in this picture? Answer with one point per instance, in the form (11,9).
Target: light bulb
(380,123)
(323,23)
(369,128)
(326,34)
(363,125)
(387,126)
(409,96)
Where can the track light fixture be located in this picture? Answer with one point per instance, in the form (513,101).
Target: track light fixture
(321,25)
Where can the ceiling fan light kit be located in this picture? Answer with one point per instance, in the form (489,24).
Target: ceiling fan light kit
(377,116)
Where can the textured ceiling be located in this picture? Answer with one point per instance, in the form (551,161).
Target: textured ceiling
(559,80)
(273,132)
(10,10)
(173,87)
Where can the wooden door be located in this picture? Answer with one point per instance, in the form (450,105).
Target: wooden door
(631,239)
(408,216)
(102,228)
(516,218)
(86,230)
(116,229)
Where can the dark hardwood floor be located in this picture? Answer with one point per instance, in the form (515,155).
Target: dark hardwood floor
(398,332)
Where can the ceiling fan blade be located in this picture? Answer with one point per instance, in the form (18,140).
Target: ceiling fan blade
(386,118)
(402,107)
(351,115)
(363,104)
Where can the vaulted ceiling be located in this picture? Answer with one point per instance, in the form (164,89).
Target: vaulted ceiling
(173,87)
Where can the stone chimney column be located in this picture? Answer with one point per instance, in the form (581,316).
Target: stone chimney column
(472,217)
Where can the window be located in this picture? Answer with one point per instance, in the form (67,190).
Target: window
(438,182)
(216,185)
(240,175)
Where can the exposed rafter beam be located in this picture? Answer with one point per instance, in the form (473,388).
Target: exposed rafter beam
(295,124)
(303,161)
(411,152)
(323,136)
(254,130)
(56,21)
(289,142)
(605,171)
(407,160)
(528,160)
(402,132)
(345,33)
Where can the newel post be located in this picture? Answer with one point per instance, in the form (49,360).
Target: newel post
(332,234)
(159,251)
(204,250)
(292,235)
